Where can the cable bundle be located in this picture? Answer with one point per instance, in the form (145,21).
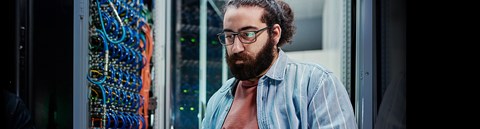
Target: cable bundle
(121,47)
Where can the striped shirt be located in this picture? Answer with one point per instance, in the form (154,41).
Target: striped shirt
(290,95)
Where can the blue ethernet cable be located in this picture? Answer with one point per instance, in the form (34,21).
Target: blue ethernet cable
(117,95)
(139,61)
(103,100)
(108,121)
(127,78)
(133,101)
(135,120)
(129,121)
(115,119)
(137,41)
(129,38)
(119,52)
(123,120)
(140,85)
(112,75)
(120,76)
(130,56)
(134,82)
(116,25)
(109,95)
(143,122)
(123,54)
(102,89)
(102,80)
(103,26)
(124,98)
(138,102)
(140,25)
(109,22)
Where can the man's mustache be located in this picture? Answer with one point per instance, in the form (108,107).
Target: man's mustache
(239,56)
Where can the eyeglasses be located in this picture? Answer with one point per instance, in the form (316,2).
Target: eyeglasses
(246,37)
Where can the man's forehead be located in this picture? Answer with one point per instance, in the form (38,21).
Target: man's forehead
(237,18)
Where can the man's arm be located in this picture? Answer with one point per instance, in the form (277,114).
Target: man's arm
(329,105)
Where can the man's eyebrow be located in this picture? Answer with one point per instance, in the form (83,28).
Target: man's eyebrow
(247,28)
(241,29)
(227,30)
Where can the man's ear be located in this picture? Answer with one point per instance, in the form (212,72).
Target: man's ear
(276,33)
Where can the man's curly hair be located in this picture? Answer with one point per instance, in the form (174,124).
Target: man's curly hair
(276,12)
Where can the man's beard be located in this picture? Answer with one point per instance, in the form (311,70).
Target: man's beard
(251,67)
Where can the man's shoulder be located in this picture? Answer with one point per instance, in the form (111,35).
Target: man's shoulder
(227,85)
(307,66)
(220,93)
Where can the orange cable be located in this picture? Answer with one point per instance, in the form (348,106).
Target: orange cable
(146,72)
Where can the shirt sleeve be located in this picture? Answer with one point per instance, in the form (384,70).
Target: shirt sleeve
(329,104)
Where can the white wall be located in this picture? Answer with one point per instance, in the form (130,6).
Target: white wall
(333,39)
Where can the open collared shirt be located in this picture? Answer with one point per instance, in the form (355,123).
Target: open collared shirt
(291,95)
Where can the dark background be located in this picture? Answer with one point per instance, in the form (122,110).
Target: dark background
(43,68)
(40,59)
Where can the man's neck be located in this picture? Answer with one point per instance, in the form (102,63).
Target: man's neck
(249,83)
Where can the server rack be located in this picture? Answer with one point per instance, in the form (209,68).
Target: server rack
(113,64)
(197,61)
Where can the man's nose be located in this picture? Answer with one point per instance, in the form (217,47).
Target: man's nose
(237,45)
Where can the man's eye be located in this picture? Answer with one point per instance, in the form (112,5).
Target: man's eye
(228,36)
(248,34)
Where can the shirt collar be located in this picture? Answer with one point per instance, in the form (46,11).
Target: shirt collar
(277,71)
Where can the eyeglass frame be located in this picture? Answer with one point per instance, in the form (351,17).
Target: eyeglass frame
(234,34)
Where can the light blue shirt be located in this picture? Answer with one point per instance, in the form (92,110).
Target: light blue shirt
(290,95)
